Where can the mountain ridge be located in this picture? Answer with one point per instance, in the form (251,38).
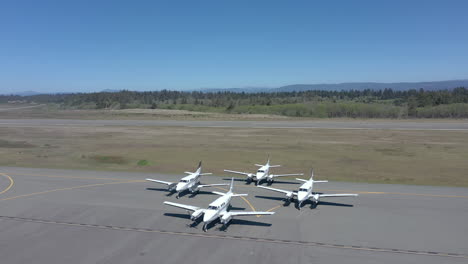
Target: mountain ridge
(399,86)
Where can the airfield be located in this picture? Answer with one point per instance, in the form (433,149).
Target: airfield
(350,124)
(78,216)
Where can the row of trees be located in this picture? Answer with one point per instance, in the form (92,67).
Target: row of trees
(352,103)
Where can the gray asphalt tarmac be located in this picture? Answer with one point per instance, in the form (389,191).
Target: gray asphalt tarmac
(69,216)
(394,125)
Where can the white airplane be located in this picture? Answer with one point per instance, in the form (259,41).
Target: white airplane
(217,209)
(305,192)
(263,174)
(190,182)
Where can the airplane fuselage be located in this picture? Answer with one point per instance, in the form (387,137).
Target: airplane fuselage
(305,190)
(262,173)
(216,209)
(188,183)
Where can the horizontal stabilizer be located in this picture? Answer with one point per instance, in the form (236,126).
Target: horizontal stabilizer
(275,166)
(206,173)
(320,181)
(259,165)
(218,193)
(302,180)
(188,172)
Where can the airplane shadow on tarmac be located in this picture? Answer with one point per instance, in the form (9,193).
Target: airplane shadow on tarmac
(321,203)
(263,182)
(242,222)
(312,204)
(195,223)
(186,216)
(182,194)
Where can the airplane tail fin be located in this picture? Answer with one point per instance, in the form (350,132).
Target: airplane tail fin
(232,185)
(199,167)
(312,177)
(271,166)
(235,194)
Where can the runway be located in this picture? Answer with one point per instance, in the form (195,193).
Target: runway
(71,216)
(388,125)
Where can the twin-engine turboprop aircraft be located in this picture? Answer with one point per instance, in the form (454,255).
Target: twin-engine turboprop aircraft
(217,209)
(263,174)
(305,192)
(190,182)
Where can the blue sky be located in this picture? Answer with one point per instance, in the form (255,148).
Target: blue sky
(81,46)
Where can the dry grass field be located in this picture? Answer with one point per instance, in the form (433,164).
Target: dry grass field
(384,156)
(52,111)
(15,111)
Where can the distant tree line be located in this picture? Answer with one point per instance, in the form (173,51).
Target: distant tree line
(317,103)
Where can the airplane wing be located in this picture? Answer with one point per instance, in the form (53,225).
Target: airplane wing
(238,172)
(239,194)
(278,190)
(284,175)
(158,181)
(338,195)
(210,185)
(183,206)
(249,213)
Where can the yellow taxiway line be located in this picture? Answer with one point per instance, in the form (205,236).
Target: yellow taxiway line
(68,188)
(12,182)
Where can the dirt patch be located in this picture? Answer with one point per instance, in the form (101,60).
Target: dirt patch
(109,159)
(15,144)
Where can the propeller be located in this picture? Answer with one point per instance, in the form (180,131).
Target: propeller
(316,197)
(249,178)
(172,187)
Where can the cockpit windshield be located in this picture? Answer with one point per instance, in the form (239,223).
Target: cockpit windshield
(302,189)
(211,207)
(184,181)
(261,171)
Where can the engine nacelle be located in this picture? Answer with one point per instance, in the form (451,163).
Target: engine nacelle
(226,218)
(195,215)
(316,197)
(172,187)
(194,188)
